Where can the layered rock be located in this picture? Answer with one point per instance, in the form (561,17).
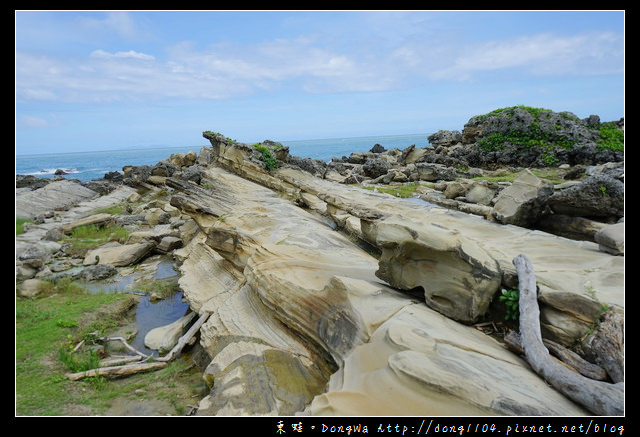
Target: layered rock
(288,292)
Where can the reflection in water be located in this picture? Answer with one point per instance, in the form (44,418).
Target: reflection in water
(150,315)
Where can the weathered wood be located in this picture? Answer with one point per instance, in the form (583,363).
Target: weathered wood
(127,345)
(568,357)
(127,369)
(599,397)
(185,338)
(118,361)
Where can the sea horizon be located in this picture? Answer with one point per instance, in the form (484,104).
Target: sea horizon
(94,164)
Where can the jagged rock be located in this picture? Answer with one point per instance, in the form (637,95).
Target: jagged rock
(522,203)
(119,255)
(96,272)
(445,138)
(435,172)
(164,338)
(377,148)
(375,167)
(598,196)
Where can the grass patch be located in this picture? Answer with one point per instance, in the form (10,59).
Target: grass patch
(403,191)
(20,222)
(44,328)
(85,238)
(48,329)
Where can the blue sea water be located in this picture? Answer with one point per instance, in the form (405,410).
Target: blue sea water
(86,166)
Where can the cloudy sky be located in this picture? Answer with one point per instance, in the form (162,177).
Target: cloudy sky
(103,80)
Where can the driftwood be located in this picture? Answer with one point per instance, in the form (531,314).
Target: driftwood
(128,369)
(116,370)
(185,338)
(568,357)
(117,361)
(599,397)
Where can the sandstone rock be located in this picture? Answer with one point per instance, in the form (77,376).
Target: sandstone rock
(31,288)
(56,195)
(169,243)
(480,193)
(458,277)
(445,138)
(522,203)
(99,220)
(163,338)
(611,239)
(119,255)
(435,172)
(156,216)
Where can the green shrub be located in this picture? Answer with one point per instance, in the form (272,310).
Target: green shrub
(269,161)
(610,137)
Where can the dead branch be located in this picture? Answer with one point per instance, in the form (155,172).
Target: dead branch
(599,397)
(185,338)
(116,370)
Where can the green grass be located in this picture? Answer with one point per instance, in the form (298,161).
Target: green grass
(47,330)
(85,238)
(404,191)
(44,328)
(20,222)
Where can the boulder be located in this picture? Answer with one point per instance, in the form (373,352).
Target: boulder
(522,204)
(611,239)
(598,196)
(31,288)
(375,167)
(119,255)
(168,243)
(480,193)
(164,338)
(99,220)
(445,138)
(428,171)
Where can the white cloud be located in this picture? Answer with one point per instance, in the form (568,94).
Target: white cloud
(119,22)
(34,122)
(130,54)
(226,70)
(541,54)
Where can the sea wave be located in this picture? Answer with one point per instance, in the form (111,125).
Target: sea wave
(53,171)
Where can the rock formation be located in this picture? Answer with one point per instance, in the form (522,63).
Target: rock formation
(326,299)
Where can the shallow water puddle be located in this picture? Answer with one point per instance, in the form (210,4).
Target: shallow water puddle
(150,312)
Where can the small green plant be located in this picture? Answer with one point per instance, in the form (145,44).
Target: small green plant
(20,222)
(603,190)
(269,161)
(511,299)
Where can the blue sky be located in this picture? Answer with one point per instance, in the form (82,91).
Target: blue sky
(103,80)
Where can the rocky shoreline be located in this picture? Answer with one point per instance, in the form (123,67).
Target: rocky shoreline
(329,297)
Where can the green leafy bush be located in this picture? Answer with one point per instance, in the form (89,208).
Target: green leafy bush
(611,138)
(511,299)
(269,161)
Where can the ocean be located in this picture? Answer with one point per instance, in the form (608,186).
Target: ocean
(86,166)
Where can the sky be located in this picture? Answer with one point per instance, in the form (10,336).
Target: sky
(106,80)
